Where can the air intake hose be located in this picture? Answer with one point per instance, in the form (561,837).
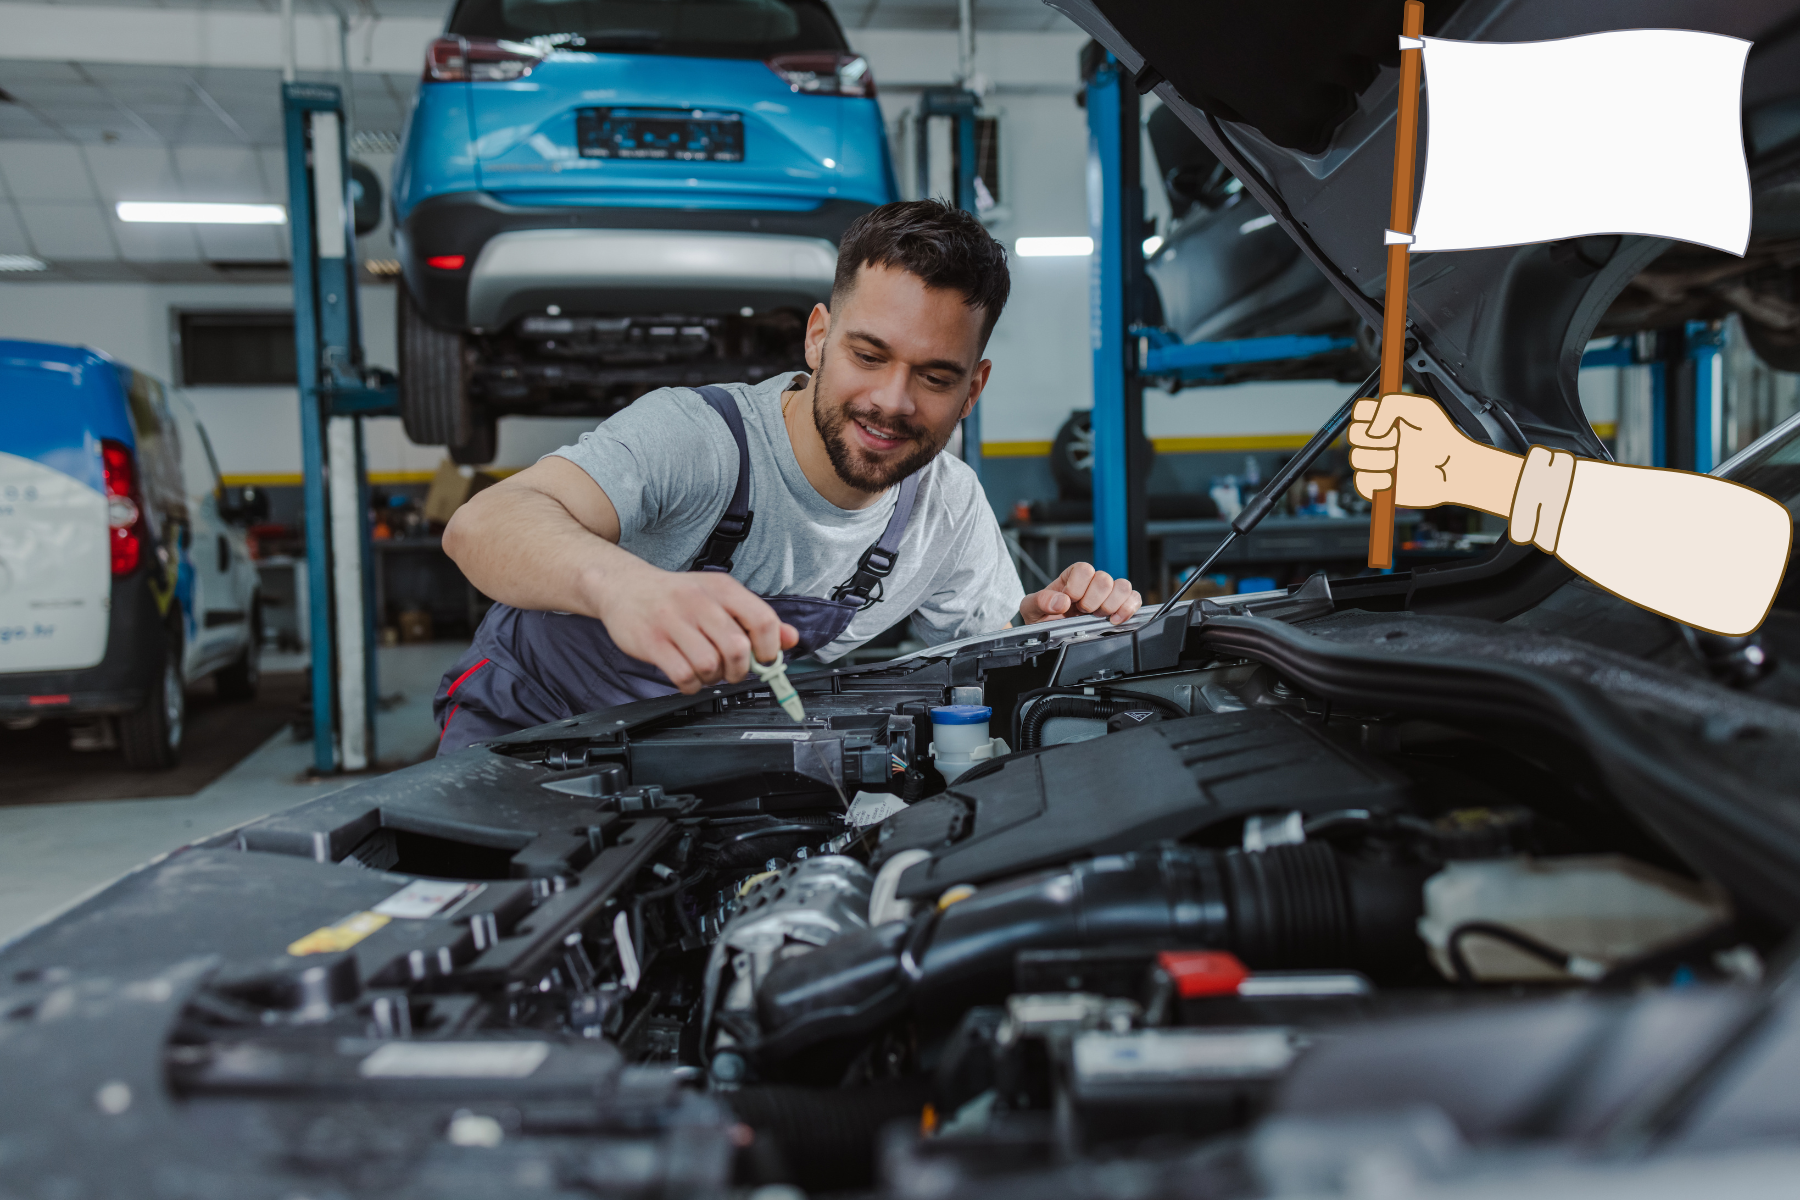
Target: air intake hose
(1293,906)
(1093,708)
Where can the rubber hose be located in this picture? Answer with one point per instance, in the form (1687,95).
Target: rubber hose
(1031,729)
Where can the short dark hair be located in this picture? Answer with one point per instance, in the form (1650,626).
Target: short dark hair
(946,247)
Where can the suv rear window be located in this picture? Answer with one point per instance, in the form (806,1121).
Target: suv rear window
(701,28)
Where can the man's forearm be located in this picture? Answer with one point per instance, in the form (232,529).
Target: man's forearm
(521,547)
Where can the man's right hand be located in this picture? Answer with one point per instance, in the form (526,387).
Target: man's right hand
(697,627)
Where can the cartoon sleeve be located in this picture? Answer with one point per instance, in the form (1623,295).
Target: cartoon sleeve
(1700,550)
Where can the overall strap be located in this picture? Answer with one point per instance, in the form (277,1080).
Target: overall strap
(734,525)
(864,587)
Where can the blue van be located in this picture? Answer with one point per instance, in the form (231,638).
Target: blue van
(122,579)
(599,197)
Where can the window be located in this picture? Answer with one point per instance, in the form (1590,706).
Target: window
(236,349)
(703,28)
(987,164)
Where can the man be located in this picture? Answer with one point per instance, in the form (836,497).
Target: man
(809,513)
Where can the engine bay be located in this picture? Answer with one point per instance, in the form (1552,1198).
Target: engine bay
(693,943)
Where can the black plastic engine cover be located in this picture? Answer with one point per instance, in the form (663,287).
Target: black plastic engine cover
(1123,791)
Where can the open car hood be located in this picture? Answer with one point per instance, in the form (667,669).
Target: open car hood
(1299,100)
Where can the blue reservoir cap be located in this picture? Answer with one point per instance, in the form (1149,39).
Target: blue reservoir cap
(961,714)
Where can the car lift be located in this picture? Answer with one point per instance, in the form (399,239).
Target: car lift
(1129,354)
(962,107)
(336,392)
(1687,391)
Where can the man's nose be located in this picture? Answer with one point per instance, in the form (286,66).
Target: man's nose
(892,394)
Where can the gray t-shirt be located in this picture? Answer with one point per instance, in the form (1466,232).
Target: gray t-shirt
(668,464)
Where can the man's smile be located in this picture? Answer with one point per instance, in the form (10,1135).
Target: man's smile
(877,437)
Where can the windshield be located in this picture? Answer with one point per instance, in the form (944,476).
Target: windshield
(702,28)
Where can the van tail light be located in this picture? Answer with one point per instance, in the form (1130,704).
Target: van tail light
(453,59)
(825,74)
(124,506)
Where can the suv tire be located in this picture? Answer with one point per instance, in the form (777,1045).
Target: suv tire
(435,407)
(150,738)
(240,679)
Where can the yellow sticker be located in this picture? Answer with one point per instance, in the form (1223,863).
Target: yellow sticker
(345,934)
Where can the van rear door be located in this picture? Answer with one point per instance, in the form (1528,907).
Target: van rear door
(56,405)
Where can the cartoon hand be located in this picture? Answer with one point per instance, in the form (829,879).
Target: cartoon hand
(1411,438)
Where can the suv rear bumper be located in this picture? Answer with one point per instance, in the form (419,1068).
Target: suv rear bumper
(136,643)
(664,270)
(465,222)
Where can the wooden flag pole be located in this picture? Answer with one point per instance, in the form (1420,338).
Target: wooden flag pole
(1400,220)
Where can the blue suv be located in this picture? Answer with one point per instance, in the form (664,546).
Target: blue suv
(599,197)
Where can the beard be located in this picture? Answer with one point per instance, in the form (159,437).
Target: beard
(853,464)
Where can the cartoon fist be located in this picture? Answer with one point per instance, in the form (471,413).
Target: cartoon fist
(1407,442)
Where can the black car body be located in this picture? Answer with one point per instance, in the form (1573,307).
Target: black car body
(1176,943)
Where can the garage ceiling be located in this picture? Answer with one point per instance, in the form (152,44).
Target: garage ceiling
(77,137)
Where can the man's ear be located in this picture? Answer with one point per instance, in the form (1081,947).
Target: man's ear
(977,382)
(818,327)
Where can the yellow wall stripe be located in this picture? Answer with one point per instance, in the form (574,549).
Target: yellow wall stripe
(1201,445)
(1213,445)
(1168,445)
(375,477)
(1015,449)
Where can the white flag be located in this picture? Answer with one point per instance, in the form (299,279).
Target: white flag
(1636,131)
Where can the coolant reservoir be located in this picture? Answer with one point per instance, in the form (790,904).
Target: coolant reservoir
(1605,909)
(959,738)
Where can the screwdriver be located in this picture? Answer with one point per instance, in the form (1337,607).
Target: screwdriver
(775,675)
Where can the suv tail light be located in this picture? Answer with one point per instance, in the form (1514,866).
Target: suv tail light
(453,59)
(124,506)
(825,74)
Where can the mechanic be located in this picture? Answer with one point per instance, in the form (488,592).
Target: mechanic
(807,513)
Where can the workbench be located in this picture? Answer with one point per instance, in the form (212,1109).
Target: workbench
(415,572)
(1314,541)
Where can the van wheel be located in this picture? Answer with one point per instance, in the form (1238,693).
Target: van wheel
(150,738)
(240,680)
(435,407)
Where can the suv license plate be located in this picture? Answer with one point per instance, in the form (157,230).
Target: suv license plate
(672,134)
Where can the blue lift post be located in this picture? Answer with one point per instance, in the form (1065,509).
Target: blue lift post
(962,108)
(1687,391)
(336,391)
(1115,280)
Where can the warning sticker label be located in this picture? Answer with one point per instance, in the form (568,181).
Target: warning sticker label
(345,934)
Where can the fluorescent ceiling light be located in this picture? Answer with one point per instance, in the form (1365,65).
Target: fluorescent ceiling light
(1054,247)
(202,214)
(1256,223)
(1152,244)
(22,262)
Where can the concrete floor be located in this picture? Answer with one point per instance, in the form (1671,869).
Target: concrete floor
(52,855)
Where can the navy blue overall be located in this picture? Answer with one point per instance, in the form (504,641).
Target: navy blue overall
(528,668)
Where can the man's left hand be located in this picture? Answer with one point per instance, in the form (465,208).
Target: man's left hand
(1082,591)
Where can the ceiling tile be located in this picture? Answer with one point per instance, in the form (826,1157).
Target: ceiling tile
(274,165)
(45,171)
(222,173)
(69,230)
(139,242)
(134,173)
(12,232)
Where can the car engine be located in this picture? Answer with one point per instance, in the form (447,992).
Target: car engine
(688,944)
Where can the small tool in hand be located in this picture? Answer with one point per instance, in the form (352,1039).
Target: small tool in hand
(775,675)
